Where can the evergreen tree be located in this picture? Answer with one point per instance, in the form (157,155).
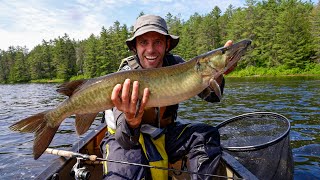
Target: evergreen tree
(117,47)
(64,57)
(35,63)
(80,54)
(19,71)
(40,62)
(47,59)
(315,31)
(10,58)
(265,52)
(90,65)
(175,26)
(104,51)
(214,28)
(190,37)
(4,67)
(284,33)
(224,21)
(293,34)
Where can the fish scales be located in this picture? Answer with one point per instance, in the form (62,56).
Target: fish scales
(161,83)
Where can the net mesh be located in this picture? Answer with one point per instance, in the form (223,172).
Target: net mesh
(259,141)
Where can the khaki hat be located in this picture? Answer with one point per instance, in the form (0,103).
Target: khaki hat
(148,23)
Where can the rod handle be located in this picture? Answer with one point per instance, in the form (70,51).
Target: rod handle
(59,152)
(70,154)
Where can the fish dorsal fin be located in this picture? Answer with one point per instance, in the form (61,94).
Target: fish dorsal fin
(71,87)
(83,122)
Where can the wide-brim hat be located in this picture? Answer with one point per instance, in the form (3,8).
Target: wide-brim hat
(148,23)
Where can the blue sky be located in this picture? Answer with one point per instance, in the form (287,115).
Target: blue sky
(28,22)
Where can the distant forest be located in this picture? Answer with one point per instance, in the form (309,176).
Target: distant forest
(285,34)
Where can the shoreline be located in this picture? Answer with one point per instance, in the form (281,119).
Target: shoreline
(316,76)
(288,75)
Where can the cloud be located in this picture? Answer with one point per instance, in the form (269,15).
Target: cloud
(28,22)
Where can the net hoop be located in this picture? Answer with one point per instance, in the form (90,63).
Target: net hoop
(257,146)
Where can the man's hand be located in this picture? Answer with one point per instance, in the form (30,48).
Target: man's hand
(127,103)
(220,78)
(229,43)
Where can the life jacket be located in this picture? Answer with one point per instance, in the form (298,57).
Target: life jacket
(154,120)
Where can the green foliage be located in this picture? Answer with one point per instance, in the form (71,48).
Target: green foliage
(315,31)
(4,67)
(79,77)
(312,68)
(47,81)
(282,70)
(40,61)
(19,70)
(90,65)
(285,34)
(13,65)
(64,57)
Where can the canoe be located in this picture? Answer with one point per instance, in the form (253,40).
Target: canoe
(61,168)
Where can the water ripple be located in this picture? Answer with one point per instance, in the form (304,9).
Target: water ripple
(296,98)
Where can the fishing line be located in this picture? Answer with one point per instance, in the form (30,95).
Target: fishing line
(93,159)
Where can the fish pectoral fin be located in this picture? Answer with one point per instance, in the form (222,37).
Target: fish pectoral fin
(214,86)
(83,122)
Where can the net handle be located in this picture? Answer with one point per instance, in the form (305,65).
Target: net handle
(258,146)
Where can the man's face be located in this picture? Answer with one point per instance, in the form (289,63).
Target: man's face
(151,48)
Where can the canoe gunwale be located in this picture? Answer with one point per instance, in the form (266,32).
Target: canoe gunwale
(238,168)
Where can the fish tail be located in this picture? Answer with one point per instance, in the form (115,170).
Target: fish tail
(44,133)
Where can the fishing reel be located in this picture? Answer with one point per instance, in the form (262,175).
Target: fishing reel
(78,172)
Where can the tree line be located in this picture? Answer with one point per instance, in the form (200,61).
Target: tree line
(285,33)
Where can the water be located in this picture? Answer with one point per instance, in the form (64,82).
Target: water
(297,98)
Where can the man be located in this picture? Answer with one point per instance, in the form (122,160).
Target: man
(150,136)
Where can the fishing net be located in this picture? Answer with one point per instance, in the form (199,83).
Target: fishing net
(259,141)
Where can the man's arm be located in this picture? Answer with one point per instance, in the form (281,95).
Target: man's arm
(127,137)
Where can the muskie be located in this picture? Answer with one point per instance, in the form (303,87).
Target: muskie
(167,85)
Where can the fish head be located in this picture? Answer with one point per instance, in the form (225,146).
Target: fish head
(215,63)
(211,64)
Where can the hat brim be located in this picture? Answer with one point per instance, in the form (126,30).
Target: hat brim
(174,40)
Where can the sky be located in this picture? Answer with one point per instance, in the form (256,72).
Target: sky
(28,22)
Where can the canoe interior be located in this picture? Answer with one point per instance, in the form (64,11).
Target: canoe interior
(61,167)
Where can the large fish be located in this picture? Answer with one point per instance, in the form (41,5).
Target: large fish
(167,85)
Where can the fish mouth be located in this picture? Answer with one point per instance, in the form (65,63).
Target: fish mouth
(236,53)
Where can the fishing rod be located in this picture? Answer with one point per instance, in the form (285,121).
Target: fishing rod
(94,158)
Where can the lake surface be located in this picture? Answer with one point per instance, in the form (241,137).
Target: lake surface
(297,98)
